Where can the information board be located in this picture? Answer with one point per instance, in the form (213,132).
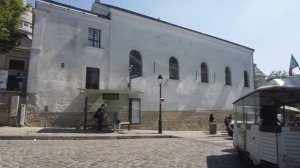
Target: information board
(3,79)
(135,110)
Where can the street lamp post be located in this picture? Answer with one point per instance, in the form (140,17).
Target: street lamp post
(129,83)
(159,78)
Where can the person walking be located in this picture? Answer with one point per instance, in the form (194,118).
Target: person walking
(101,113)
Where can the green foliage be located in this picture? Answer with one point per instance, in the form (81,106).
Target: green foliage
(277,74)
(10,19)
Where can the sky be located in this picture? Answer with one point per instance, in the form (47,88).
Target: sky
(271,27)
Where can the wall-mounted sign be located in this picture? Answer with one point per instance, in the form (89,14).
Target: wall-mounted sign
(110,96)
(3,79)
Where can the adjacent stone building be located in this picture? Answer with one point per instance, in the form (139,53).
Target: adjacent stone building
(260,77)
(13,71)
(113,56)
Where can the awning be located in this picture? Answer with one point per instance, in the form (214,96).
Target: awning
(270,95)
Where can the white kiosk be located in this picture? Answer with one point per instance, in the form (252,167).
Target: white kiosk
(267,126)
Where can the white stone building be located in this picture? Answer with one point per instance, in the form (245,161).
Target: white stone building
(78,53)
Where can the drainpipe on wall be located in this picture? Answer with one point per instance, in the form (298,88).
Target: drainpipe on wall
(26,106)
(85,113)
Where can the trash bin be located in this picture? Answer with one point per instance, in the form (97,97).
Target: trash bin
(212,128)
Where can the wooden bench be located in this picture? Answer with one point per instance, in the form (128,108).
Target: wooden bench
(124,123)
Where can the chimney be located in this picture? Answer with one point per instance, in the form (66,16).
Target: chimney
(99,8)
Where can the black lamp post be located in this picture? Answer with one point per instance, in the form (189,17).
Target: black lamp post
(129,70)
(159,79)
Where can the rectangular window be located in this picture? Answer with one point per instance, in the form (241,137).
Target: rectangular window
(110,96)
(252,115)
(16,64)
(94,37)
(92,78)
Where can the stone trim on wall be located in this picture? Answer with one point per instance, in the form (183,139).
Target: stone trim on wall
(184,120)
(175,121)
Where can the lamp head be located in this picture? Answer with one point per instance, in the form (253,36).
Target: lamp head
(159,79)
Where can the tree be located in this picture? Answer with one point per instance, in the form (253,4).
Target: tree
(277,74)
(10,19)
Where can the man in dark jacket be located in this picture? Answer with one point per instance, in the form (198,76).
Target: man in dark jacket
(101,113)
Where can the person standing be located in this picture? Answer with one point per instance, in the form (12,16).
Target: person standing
(116,122)
(101,113)
(229,118)
(212,125)
(211,118)
(226,122)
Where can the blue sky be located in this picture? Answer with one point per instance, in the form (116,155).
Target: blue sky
(270,27)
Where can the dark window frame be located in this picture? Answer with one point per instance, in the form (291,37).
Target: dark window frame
(228,76)
(16,64)
(173,68)
(204,73)
(135,60)
(93,40)
(92,79)
(246,79)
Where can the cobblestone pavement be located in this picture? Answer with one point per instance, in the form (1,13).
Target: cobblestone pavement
(165,152)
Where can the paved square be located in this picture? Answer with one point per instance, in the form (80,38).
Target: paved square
(158,152)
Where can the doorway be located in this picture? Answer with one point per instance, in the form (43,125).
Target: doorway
(135,110)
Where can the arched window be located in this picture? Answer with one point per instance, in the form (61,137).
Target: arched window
(227,76)
(135,60)
(204,73)
(173,68)
(246,79)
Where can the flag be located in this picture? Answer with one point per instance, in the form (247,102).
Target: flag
(293,64)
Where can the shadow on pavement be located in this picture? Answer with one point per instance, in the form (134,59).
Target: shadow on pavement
(72,130)
(152,133)
(232,151)
(228,138)
(219,133)
(230,160)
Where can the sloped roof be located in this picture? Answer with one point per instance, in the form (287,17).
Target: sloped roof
(164,22)
(141,15)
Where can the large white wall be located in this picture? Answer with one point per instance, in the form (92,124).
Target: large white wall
(61,36)
(157,42)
